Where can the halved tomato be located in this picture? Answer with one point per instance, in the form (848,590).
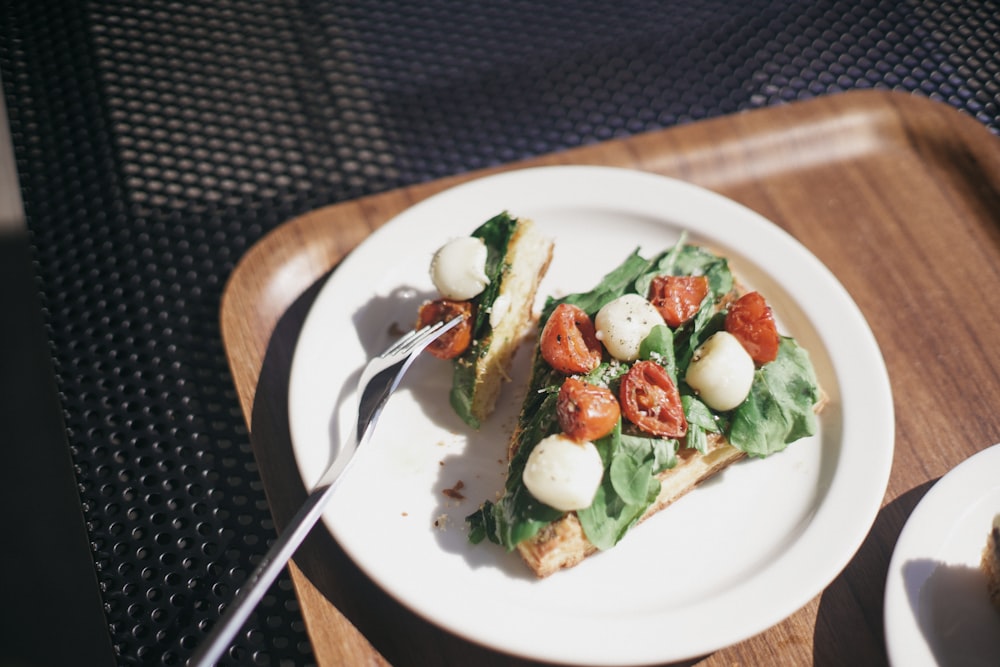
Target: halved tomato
(586,411)
(650,400)
(678,297)
(750,319)
(456,341)
(569,342)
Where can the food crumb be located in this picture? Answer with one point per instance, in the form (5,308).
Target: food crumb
(441,523)
(455,492)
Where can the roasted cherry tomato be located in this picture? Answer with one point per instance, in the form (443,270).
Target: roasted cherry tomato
(650,400)
(569,342)
(678,297)
(586,411)
(456,341)
(750,319)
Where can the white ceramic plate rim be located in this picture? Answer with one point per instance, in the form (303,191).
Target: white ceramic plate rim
(958,508)
(854,447)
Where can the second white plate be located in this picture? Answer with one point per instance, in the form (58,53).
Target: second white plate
(937,611)
(737,555)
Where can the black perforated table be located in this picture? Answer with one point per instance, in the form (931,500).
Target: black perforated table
(157,141)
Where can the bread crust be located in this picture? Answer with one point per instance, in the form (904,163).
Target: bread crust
(990,565)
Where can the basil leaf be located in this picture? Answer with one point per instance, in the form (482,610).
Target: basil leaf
(780,407)
(662,452)
(482,524)
(658,346)
(630,472)
(697,261)
(690,260)
(463,382)
(518,517)
(701,422)
(607,374)
(617,282)
(608,518)
(690,336)
(629,486)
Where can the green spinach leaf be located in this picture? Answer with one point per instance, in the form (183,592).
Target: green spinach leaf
(781,405)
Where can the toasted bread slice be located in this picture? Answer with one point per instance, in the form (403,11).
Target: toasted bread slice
(785,394)
(528,256)
(492,284)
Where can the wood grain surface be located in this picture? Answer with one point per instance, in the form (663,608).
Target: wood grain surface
(898,195)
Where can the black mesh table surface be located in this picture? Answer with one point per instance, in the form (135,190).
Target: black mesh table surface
(157,141)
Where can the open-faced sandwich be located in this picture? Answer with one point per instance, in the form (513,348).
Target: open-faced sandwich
(664,374)
(490,278)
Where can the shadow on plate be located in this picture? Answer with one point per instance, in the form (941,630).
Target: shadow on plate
(953,612)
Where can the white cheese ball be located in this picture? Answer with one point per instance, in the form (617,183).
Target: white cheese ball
(624,323)
(563,473)
(499,310)
(721,371)
(458,269)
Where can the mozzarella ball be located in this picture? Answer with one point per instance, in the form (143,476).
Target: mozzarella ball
(563,473)
(458,269)
(499,309)
(624,323)
(721,372)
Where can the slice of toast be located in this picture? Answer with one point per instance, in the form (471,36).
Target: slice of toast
(785,394)
(527,259)
(495,294)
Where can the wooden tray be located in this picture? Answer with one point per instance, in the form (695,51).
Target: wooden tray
(898,195)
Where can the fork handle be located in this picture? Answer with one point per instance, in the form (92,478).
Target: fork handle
(260,580)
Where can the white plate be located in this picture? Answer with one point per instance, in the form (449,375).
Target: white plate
(937,611)
(737,555)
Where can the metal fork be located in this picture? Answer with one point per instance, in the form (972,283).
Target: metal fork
(379,379)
